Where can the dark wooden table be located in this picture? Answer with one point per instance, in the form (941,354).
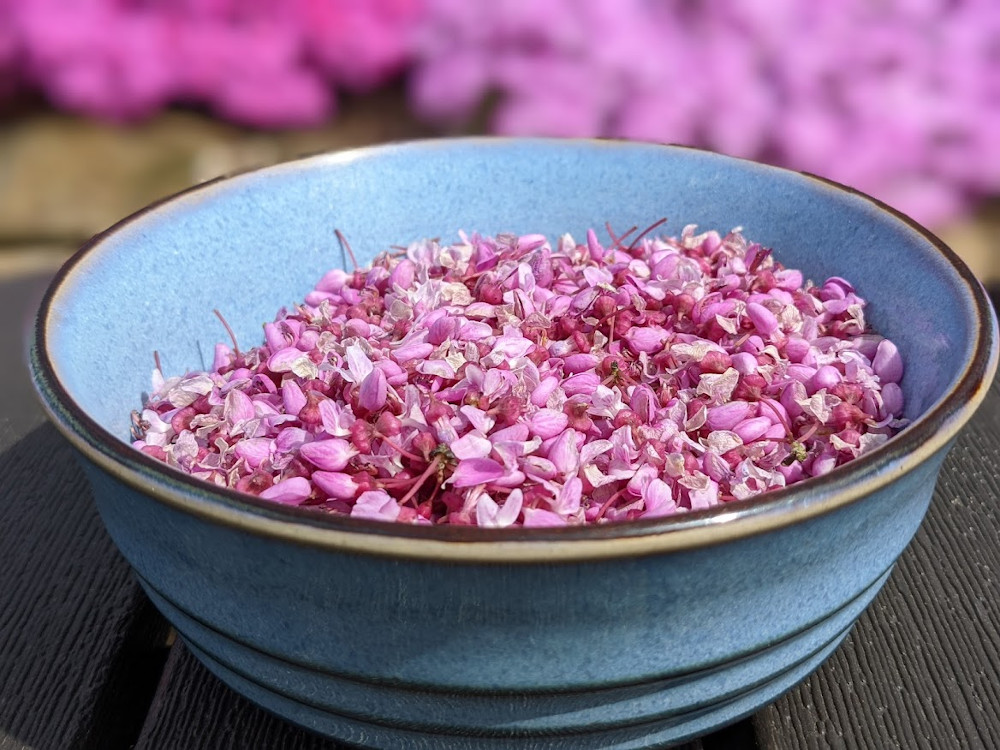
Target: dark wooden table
(86,662)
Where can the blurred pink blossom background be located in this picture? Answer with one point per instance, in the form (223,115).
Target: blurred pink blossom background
(899,98)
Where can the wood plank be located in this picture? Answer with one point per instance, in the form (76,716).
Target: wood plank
(922,667)
(78,639)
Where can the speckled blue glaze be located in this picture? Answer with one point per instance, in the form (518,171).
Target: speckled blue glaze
(388,636)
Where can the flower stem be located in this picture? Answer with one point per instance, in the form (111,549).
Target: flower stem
(608,503)
(232,336)
(345,245)
(402,451)
(431,468)
(646,231)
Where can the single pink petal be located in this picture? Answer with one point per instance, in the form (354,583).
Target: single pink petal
(646,339)
(528,242)
(473,471)
(286,359)
(802,373)
(512,346)
(537,518)
(374,390)
(223,357)
(540,395)
(583,384)
(825,377)
(357,328)
(640,480)
(658,499)
(796,348)
(751,429)
(511,478)
(288,491)
(564,454)
(575,363)
(486,511)
(478,418)
(290,439)
(888,364)
(254,450)
(763,319)
(443,329)
(824,463)
(744,362)
(333,281)
(276,340)
(592,449)
(376,505)
(892,400)
(471,445)
(292,397)
(727,416)
(440,367)
(706,497)
(474,331)
(507,515)
(238,407)
(337,419)
(537,468)
(567,502)
(358,364)
(335,484)
(411,351)
(593,246)
(516,433)
(643,402)
(547,423)
(330,455)
(403,274)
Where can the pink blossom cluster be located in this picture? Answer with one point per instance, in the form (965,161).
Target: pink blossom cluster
(900,99)
(513,381)
(256,61)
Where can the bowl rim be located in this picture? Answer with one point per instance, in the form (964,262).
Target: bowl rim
(930,432)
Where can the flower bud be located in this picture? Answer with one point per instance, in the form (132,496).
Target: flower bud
(336,484)
(547,423)
(330,455)
(888,364)
(604,307)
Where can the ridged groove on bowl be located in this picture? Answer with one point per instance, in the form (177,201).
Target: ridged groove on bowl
(521,713)
(646,736)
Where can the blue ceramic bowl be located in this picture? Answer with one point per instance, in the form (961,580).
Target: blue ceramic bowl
(623,636)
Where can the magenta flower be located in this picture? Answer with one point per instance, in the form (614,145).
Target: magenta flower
(898,99)
(502,381)
(266,63)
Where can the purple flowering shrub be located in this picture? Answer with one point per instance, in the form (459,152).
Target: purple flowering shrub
(509,381)
(255,61)
(900,99)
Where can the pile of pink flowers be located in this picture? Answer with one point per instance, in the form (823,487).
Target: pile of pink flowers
(899,99)
(508,381)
